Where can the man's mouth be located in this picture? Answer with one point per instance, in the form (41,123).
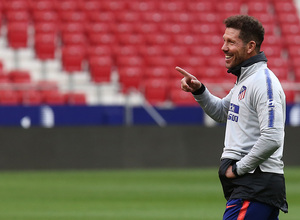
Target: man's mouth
(228,57)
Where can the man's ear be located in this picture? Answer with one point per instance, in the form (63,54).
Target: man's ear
(251,47)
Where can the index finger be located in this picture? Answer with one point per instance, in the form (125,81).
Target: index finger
(183,72)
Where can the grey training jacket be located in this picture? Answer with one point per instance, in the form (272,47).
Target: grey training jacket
(254,112)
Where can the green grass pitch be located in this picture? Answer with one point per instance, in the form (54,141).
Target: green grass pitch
(185,194)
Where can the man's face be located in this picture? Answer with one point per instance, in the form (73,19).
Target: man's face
(234,48)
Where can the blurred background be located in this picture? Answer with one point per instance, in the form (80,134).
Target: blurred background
(108,67)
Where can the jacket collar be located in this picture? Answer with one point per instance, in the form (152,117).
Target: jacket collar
(255,59)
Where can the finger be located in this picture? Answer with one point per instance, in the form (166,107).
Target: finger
(183,72)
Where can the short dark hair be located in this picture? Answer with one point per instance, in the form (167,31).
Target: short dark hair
(250,27)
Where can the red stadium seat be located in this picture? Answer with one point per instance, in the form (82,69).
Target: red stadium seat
(130,78)
(74,39)
(174,6)
(131,39)
(45,28)
(15,5)
(186,39)
(102,39)
(209,28)
(142,6)
(290,29)
(76,98)
(158,72)
(285,6)
(17,34)
(18,16)
(73,16)
(9,98)
(99,50)
(41,5)
(45,46)
(181,98)
(54,98)
(32,97)
(45,16)
(201,6)
(156,90)
(19,76)
(151,50)
(114,5)
(229,6)
(132,61)
(258,7)
(100,68)
(72,58)
(288,18)
(90,6)
(104,16)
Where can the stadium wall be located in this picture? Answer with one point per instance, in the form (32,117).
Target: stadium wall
(119,147)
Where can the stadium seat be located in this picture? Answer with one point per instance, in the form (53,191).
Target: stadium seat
(174,28)
(142,6)
(18,16)
(158,72)
(15,5)
(72,58)
(206,17)
(130,39)
(45,28)
(258,7)
(181,98)
(74,39)
(152,50)
(156,90)
(45,46)
(290,29)
(166,61)
(45,16)
(19,76)
(114,5)
(41,5)
(17,34)
(285,6)
(62,6)
(287,18)
(99,50)
(104,16)
(54,98)
(146,28)
(73,16)
(171,5)
(76,98)
(9,98)
(31,97)
(90,6)
(133,60)
(100,68)
(209,28)
(130,78)
(200,7)
(186,39)
(102,39)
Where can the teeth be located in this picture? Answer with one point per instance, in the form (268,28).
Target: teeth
(228,57)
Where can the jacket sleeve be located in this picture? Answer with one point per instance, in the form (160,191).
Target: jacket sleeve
(214,106)
(269,103)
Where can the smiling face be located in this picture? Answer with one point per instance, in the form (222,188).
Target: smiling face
(235,50)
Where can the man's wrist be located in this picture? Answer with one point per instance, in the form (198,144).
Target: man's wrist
(234,170)
(200,90)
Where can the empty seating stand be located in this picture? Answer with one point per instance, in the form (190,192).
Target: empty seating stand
(143,40)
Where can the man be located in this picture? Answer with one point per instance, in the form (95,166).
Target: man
(251,169)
